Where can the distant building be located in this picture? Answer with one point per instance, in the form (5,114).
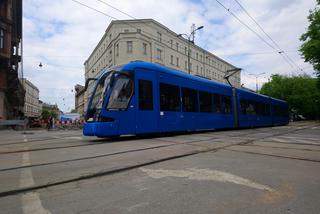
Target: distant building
(148,40)
(11,90)
(79,99)
(32,107)
(69,117)
(53,108)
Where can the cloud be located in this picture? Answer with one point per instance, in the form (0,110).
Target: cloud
(61,35)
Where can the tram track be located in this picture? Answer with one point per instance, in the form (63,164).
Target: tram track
(103,141)
(35,140)
(173,143)
(95,142)
(48,148)
(135,166)
(274,155)
(279,147)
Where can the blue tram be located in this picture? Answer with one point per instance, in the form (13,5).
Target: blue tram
(141,97)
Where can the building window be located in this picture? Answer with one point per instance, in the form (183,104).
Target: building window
(117,50)
(197,68)
(197,56)
(145,95)
(171,43)
(171,59)
(110,37)
(185,65)
(1,38)
(177,46)
(177,61)
(201,58)
(169,97)
(139,30)
(126,30)
(144,48)
(185,50)
(159,37)
(159,54)
(129,46)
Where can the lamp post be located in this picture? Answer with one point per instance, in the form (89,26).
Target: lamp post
(256,76)
(190,39)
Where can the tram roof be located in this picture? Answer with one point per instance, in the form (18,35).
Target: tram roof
(171,71)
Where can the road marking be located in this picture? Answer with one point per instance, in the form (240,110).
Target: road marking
(205,174)
(31,203)
(278,140)
(74,138)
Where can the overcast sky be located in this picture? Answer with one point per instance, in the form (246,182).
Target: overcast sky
(61,34)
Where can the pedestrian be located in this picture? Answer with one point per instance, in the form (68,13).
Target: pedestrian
(52,123)
(49,123)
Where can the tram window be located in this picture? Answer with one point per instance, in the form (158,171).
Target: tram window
(226,105)
(145,95)
(251,109)
(169,97)
(280,111)
(205,101)
(258,108)
(243,106)
(216,103)
(267,109)
(189,100)
(276,111)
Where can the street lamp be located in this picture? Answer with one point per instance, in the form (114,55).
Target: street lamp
(189,41)
(256,76)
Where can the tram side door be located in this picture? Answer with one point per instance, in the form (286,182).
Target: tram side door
(146,107)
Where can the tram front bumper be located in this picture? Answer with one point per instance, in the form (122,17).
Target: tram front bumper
(101,129)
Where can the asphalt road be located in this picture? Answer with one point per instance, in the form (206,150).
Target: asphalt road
(264,170)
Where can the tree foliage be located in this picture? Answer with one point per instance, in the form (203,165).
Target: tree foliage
(47,113)
(73,111)
(310,49)
(300,92)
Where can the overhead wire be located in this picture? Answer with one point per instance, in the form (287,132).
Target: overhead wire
(272,40)
(152,36)
(274,47)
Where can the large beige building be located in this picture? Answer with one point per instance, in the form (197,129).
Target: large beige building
(148,40)
(32,106)
(79,99)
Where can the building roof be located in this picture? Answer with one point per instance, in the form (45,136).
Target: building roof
(25,81)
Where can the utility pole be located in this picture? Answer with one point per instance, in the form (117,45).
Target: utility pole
(190,39)
(256,76)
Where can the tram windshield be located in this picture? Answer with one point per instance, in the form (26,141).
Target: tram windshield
(122,90)
(98,95)
(121,93)
(100,92)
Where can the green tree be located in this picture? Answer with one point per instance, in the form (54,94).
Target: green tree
(299,91)
(310,49)
(47,113)
(73,111)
